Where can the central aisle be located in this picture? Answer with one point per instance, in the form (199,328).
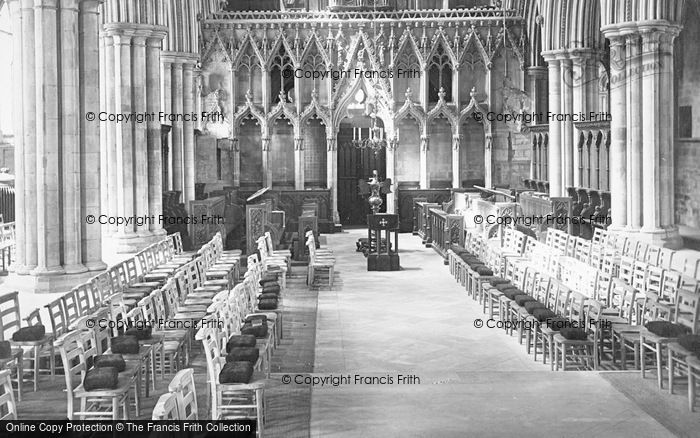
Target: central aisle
(473,382)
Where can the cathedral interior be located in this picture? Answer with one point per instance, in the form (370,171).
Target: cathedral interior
(346,217)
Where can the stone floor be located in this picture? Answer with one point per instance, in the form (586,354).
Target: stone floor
(473,382)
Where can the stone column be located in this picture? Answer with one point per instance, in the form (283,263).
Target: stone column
(153,141)
(188,133)
(656,77)
(110,170)
(236,162)
(177,146)
(299,162)
(392,144)
(568,149)
(48,156)
(618,132)
(140,145)
(424,172)
(18,113)
(555,128)
(634,132)
(456,177)
(266,165)
(166,106)
(332,170)
(91,149)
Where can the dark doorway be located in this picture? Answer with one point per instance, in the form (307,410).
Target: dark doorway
(353,165)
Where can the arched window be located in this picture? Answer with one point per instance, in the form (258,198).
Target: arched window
(281,75)
(440,75)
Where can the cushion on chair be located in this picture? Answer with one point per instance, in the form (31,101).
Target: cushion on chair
(101,378)
(240,341)
(255,328)
(5,349)
(483,270)
(125,345)
(520,300)
(268,304)
(690,343)
(236,372)
(29,334)
(667,329)
(252,318)
(243,354)
(140,333)
(512,293)
(505,286)
(469,258)
(541,314)
(557,323)
(531,306)
(271,288)
(497,281)
(574,333)
(268,277)
(110,360)
(474,264)
(267,296)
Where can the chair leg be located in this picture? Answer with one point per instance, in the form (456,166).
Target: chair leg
(36,368)
(691,390)
(659,366)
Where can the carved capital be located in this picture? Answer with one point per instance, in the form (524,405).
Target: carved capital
(332,143)
(456,140)
(265,143)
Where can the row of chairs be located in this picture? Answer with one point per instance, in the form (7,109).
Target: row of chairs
(627,298)
(320,260)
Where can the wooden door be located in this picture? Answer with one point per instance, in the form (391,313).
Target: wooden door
(353,165)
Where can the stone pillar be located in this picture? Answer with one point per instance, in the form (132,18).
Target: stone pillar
(137,144)
(188,156)
(656,77)
(456,168)
(266,165)
(236,162)
(57,146)
(424,172)
(166,106)
(555,128)
(140,145)
(90,141)
(332,170)
(568,149)
(153,141)
(634,132)
(48,105)
(18,116)
(299,162)
(177,146)
(392,144)
(618,132)
(110,170)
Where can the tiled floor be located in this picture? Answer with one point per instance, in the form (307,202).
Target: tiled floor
(473,382)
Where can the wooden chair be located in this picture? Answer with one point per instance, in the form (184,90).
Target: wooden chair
(8,408)
(583,350)
(231,400)
(176,342)
(693,365)
(166,408)
(317,263)
(10,322)
(686,313)
(108,404)
(184,388)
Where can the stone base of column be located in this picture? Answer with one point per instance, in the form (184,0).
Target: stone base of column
(664,237)
(44,283)
(78,268)
(96,266)
(131,243)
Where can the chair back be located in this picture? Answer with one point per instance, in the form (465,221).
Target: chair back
(688,308)
(166,408)
(10,320)
(71,348)
(183,387)
(57,315)
(8,408)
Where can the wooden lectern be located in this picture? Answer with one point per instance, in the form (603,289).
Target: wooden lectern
(383,257)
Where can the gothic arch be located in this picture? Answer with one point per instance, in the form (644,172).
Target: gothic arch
(411,110)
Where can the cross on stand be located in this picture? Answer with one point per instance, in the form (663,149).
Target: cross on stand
(383,222)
